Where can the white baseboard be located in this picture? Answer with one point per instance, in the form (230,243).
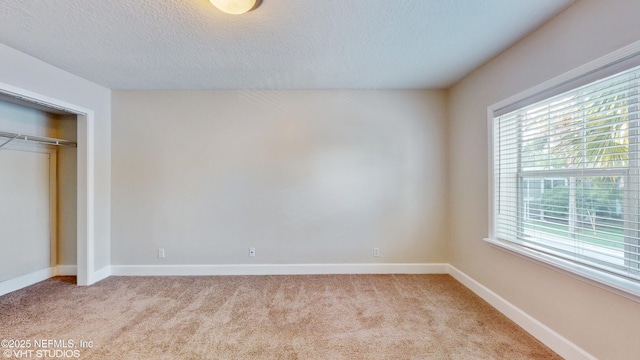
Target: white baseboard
(66,270)
(276,269)
(101,274)
(546,335)
(204,270)
(20,282)
(23,281)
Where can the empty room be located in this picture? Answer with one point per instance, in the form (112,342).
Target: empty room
(287,179)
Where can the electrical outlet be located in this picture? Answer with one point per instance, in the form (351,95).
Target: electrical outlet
(252,251)
(376,252)
(161,253)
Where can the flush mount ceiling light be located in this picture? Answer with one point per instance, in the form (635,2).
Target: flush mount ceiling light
(236,7)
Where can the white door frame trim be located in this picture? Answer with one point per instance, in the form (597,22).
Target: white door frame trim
(86,187)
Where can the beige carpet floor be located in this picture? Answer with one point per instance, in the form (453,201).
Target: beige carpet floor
(266,317)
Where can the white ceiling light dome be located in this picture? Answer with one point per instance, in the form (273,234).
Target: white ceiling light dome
(236,7)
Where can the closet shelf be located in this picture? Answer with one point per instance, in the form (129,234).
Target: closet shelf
(38,139)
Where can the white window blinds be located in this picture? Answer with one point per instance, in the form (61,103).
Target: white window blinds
(567,176)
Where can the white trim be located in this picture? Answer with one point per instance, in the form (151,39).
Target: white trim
(23,281)
(276,269)
(605,60)
(546,335)
(101,274)
(85,199)
(40,99)
(85,184)
(53,207)
(66,270)
(492,202)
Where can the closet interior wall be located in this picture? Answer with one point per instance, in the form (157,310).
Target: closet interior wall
(18,118)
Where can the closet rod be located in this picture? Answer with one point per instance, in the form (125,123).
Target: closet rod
(38,139)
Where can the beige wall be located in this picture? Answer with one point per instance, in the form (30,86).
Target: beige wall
(303,176)
(67,189)
(25,216)
(21,119)
(20,70)
(600,322)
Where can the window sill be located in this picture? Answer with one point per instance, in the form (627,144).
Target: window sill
(620,286)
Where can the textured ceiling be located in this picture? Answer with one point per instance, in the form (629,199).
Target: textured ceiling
(284,44)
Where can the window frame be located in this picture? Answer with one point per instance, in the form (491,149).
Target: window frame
(612,63)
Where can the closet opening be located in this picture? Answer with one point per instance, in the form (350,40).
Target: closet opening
(46,178)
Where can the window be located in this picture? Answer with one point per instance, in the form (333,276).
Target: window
(566,176)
